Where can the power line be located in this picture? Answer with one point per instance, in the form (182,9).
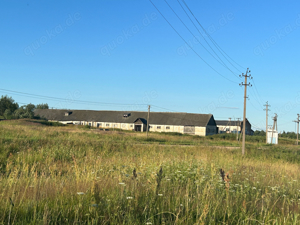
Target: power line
(206,40)
(222,63)
(189,45)
(63,99)
(212,40)
(259,97)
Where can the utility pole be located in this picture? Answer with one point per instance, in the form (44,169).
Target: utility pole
(245,98)
(266,109)
(274,125)
(237,129)
(148,120)
(297,121)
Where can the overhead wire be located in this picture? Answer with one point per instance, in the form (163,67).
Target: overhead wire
(189,44)
(205,39)
(213,41)
(64,99)
(219,60)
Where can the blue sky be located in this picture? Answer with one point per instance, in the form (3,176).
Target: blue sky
(124,52)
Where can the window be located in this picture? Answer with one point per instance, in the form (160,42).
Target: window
(151,127)
(158,127)
(68,113)
(131,125)
(107,125)
(98,124)
(168,128)
(126,115)
(90,124)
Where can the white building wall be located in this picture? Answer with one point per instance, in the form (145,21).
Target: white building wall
(229,129)
(201,131)
(165,128)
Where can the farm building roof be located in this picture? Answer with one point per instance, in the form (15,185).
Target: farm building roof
(161,118)
(230,123)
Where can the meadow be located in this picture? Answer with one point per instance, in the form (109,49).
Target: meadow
(52,174)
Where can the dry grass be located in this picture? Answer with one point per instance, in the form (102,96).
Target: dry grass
(67,175)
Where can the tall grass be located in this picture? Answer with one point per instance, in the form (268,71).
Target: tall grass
(68,175)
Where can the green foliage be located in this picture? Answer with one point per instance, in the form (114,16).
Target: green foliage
(259,133)
(49,123)
(7,103)
(25,111)
(8,114)
(42,106)
(291,135)
(11,110)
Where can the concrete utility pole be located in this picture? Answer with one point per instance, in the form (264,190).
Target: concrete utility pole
(237,129)
(297,121)
(266,109)
(148,120)
(245,98)
(274,125)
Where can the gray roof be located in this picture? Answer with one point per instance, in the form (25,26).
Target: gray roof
(230,123)
(161,118)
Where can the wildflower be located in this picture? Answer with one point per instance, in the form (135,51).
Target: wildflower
(148,223)
(168,179)
(122,183)
(160,194)
(129,197)
(80,193)
(295,180)
(253,188)
(181,205)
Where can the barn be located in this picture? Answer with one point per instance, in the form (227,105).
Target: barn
(185,123)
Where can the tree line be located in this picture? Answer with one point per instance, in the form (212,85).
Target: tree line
(9,109)
(291,135)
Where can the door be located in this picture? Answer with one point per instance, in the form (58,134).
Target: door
(138,128)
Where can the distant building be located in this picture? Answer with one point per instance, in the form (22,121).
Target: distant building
(185,123)
(233,126)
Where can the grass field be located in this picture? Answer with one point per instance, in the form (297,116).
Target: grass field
(74,175)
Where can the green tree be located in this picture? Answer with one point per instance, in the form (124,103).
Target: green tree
(259,133)
(7,103)
(25,111)
(42,106)
(8,114)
